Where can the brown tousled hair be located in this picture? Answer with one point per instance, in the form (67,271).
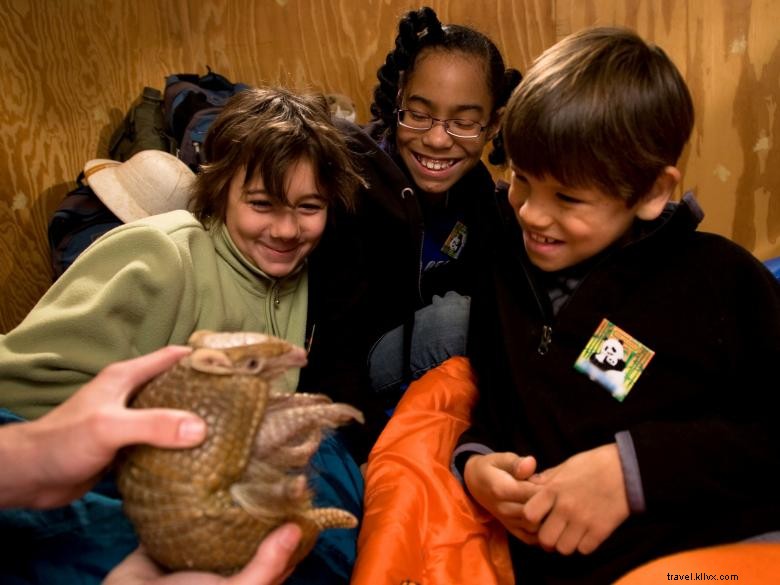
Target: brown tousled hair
(267,131)
(601,108)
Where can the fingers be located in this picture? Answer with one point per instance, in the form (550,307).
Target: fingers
(156,426)
(551,530)
(528,537)
(524,467)
(148,366)
(590,542)
(159,427)
(127,376)
(269,565)
(539,505)
(512,486)
(507,462)
(136,568)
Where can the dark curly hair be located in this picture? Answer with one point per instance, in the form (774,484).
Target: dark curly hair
(267,131)
(419,30)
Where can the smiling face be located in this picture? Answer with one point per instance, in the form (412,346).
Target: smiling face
(444,85)
(276,237)
(563,226)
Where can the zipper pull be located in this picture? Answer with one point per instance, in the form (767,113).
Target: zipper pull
(544,343)
(310,341)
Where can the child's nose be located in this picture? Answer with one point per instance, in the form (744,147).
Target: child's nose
(437,136)
(285,225)
(534,213)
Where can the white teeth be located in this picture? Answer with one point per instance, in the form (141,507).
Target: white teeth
(541,239)
(434,164)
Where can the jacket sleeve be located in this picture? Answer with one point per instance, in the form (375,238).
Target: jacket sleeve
(120,299)
(487,349)
(418,523)
(730,453)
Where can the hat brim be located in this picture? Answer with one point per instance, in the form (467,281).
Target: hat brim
(149,183)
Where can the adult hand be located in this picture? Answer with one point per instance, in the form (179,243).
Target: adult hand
(269,566)
(580,502)
(498,482)
(55,459)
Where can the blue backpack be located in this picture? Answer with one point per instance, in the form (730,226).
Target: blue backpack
(80,219)
(191,103)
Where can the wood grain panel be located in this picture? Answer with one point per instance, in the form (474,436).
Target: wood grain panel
(729,53)
(71,68)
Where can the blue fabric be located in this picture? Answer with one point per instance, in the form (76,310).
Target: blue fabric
(80,543)
(337,482)
(773,264)
(445,230)
(76,544)
(440,332)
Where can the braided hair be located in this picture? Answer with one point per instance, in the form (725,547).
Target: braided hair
(419,30)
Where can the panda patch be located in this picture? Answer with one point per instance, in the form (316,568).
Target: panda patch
(613,359)
(611,355)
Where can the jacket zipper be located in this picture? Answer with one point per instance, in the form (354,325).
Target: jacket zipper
(272,306)
(547,330)
(419,233)
(546,340)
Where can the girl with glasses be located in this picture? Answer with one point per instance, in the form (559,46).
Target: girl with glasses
(438,103)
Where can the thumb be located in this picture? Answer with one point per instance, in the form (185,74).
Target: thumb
(524,467)
(159,427)
(511,462)
(270,564)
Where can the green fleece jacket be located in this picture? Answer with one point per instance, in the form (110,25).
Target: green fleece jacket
(140,287)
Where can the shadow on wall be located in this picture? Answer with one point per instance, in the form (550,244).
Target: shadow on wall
(25,264)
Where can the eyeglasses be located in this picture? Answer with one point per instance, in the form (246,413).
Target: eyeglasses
(457,127)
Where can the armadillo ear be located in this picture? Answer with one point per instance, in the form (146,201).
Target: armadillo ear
(210,361)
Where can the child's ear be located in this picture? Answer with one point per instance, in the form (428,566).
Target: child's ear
(494,126)
(652,204)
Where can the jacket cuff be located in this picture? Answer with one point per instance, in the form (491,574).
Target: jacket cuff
(631,475)
(462,454)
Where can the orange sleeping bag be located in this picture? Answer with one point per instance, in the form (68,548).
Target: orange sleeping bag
(419,526)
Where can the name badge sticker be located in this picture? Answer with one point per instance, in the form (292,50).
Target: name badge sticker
(455,242)
(614,359)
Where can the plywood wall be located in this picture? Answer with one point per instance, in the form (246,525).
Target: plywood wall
(70,68)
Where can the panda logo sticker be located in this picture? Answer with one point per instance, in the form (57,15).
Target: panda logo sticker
(455,242)
(614,359)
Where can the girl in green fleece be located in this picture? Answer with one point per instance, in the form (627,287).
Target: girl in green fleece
(276,169)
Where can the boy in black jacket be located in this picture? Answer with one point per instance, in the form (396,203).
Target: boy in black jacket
(627,364)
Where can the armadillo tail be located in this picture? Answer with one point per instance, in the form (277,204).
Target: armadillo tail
(332,518)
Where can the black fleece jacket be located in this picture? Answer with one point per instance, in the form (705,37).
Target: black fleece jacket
(365,276)
(702,416)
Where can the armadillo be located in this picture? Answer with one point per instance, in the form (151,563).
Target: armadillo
(209,507)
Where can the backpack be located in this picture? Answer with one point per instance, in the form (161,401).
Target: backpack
(143,128)
(190,105)
(80,219)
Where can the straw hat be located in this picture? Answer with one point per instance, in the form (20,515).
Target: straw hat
(148,183)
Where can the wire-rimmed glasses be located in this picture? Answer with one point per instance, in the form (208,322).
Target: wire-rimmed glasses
(457,127)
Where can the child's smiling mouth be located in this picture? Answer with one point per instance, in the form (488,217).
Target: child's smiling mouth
(435,164)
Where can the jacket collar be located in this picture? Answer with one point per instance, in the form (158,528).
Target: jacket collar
(251,276)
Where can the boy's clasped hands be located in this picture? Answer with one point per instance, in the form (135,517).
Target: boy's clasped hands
(571,507)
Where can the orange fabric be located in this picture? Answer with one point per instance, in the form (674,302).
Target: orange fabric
(419,526)
(750,562)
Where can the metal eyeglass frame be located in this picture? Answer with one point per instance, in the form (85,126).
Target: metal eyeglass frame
(446,123)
